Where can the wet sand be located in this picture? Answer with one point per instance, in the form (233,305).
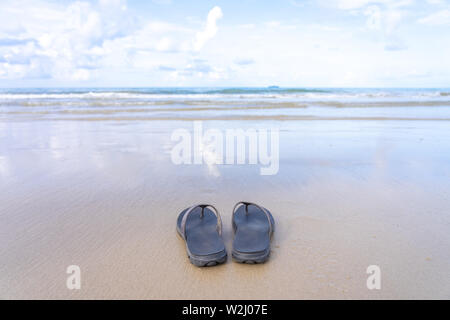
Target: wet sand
(104,195)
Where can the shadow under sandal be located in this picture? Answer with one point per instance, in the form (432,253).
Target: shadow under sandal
(253,227)
(201,228)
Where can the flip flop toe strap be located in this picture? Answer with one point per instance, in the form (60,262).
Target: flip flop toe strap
(203,206)
(259,207)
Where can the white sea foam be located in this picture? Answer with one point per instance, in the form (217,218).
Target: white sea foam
(335,94)
(226,98)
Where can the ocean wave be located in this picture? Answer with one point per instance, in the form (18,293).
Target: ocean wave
(216,104)
(223,97)
(216,97)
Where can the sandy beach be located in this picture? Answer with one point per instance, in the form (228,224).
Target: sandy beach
(103,194)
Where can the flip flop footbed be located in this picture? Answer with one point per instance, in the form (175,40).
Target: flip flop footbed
(251,243)
(204,244)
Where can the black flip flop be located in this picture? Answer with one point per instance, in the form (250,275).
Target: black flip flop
(253,227)
(201,228)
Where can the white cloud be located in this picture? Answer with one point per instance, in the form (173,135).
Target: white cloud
(296,3)
(74,41)
(81,74)
(210,28)
(163,2)
(273,24)
(438,18)
(351,4)
(63,42)
(436,1)
(247,26)
(395,44)
(244,61)
(358,4)
(165,44)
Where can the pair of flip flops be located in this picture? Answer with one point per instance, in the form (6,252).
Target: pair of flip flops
(201,228)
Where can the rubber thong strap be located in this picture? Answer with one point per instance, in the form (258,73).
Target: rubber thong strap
(203,206)
(259,207)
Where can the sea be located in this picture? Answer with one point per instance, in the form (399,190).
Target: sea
(241,103)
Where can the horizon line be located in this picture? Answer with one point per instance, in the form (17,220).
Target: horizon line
(217,87)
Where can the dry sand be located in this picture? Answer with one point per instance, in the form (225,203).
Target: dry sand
(105,196)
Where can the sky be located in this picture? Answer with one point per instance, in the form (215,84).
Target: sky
(170,43)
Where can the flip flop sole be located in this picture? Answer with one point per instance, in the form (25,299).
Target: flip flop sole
(204,245)
(259,257)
